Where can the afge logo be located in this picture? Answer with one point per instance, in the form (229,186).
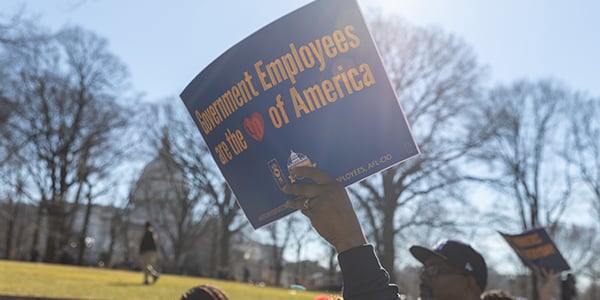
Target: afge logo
(277,173)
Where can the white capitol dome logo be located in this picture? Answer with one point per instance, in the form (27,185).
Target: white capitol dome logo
(297,159)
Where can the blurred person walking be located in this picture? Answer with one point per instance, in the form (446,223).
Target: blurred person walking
(148,253)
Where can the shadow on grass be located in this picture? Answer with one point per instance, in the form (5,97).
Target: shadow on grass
(7,297)
(126,284)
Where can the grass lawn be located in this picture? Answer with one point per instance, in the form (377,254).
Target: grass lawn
(60,281)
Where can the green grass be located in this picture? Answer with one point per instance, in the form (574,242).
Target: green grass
(59,281)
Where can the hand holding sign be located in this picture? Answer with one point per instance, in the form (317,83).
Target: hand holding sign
(299,86)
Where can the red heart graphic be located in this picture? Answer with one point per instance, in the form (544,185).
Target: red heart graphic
(255,126)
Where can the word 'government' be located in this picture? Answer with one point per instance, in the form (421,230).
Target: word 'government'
(286,67)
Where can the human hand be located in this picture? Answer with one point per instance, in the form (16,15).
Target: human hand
(326,204)
(546,282)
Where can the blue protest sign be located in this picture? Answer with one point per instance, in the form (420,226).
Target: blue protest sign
(535,248)
(307,89)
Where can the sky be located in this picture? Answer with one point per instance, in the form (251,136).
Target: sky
(165,44)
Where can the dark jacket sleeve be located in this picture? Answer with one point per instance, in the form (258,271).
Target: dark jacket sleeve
(364,277)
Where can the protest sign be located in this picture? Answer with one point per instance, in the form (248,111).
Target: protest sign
(307,89)
(535,248)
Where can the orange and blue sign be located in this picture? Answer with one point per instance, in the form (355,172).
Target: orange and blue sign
(307,89)
(535,248)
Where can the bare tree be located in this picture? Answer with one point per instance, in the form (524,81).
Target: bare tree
(578,245)
(211,190)
(66,122)
(189,152)
(582,151)
(280,234)
(161,195)
(11,40)
(526,125)
(11,212)
(584,148)
(17,34)
(230,221)
(436,77)
(300,236)
(193,196)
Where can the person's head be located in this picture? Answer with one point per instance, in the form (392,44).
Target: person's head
(204,292)
(497,295)
(148,224)
(451,270)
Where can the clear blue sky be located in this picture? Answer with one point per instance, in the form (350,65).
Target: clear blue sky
(166,43)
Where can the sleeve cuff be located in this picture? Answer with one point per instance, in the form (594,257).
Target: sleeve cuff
(363,274)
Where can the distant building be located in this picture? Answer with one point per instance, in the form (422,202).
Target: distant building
(159,192)
(113,234)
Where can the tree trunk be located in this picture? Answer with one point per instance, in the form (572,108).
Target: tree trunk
(297,268)
(82,235)
(10,228)
(212,268)
(9,236)
(535,295)
(36,229)
(278,266)
(332,276)
(126,241)
(111,249)
(54,231)
(389,249)
(224,246)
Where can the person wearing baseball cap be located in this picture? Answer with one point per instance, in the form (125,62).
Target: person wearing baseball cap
(451,270)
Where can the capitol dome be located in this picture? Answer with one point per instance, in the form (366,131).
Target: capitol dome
(162,179)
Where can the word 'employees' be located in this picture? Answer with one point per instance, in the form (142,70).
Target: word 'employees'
(305,57)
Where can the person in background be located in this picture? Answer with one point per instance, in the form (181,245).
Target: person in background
(325,202)
(34,255)
(246,274)
(204,292)
(546,285)
(568,291)
(148,253)
(451,270)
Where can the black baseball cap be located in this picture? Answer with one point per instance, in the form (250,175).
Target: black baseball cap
(456,254)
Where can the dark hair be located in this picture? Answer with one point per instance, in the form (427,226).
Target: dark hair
(497,295)
(204,292)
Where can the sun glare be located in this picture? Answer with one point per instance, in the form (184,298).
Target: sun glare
(401,7)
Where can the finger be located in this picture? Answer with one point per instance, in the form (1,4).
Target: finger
(316,175)
(305,190)
(548,273)
(296,203)
(306,212)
